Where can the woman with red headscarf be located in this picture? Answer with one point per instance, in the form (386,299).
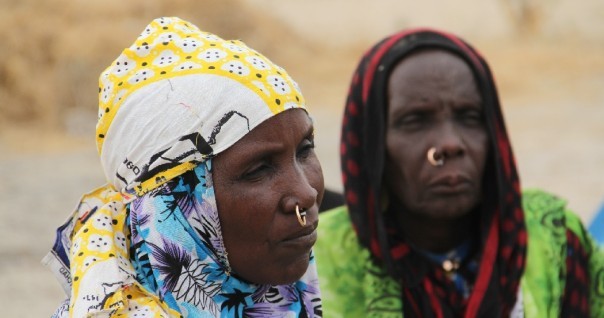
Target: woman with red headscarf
(435,223)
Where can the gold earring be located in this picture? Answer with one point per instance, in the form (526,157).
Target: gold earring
(301,215)
(432,158)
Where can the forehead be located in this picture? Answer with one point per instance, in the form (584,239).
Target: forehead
(276,132)
(432,71)
(431,62)
(293,122)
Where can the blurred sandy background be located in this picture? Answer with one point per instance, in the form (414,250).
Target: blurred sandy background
(547,55)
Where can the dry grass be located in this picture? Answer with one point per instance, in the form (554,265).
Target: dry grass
(52,51)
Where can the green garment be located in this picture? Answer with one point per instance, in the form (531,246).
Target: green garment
(353,286)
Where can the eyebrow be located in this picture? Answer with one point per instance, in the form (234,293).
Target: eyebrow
(310,131)
(411,107)
(269,147)
(469,103)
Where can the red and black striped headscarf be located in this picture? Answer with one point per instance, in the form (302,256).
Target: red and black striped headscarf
(502,248)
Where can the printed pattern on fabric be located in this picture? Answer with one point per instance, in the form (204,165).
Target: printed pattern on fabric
(172,126)
(138,247)
(177,229)
(92,260)
(354,286)
(175,265)
(560,248)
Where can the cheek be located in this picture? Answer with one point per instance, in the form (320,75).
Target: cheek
(399,178)
(396,174)
(480,150)
(246,217)
(314,175)
(245,214)
(246,222)
(404,157)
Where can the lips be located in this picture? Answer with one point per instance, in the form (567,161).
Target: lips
(451,184)
(304,238)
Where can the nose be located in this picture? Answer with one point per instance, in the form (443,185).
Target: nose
(299,192)
(450,141)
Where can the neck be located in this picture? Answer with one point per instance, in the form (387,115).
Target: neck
(437,236)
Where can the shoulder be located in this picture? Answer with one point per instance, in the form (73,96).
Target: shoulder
(537,202)
(341,263)
(335,219)
(336,234)
(550,224)
(548,220)
(545,225)
(337,239)
(545,211)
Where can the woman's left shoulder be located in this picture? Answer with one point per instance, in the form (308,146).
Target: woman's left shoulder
(538,202)
(548,214)
(552,228)
(548,209)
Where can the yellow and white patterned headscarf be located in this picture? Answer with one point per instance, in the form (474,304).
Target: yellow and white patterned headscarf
(174,99)
(164,101)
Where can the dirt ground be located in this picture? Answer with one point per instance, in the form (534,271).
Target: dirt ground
(550,86)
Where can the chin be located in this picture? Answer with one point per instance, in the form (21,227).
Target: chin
(447,210)
(291,272)
(453,214)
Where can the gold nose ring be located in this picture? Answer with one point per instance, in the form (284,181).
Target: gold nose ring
(301,215)
(432,158)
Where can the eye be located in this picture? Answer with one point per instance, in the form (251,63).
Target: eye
(306,147)
(412,120)
(471,116)
(258,171)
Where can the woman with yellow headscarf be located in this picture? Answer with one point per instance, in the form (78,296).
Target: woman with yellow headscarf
(213,190)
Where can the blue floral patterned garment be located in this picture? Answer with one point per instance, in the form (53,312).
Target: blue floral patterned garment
(178,253)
